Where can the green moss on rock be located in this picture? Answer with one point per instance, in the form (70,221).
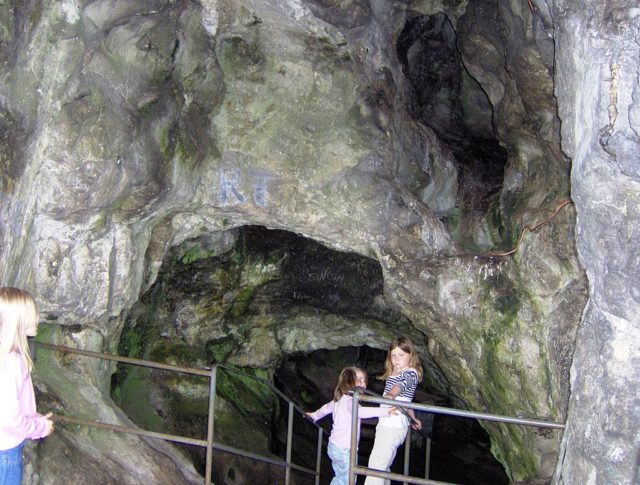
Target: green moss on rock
(175,352)
(219,350)
(241,302)
(250,396)
(131,343)
(195,253)
(134,399)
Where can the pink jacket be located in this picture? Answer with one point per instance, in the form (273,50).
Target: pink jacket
(341,410)
(18,417)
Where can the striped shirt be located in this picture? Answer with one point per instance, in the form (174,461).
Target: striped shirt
(407,381)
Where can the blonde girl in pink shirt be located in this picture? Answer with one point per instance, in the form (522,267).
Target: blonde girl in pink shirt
(341,408)
(18,417)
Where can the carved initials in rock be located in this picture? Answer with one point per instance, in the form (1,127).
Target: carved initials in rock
(229,181)
(231,194)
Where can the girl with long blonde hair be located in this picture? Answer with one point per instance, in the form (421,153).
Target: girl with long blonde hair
(18,417)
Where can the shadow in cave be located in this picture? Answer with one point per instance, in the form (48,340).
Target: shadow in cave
(460,448)
(444,96)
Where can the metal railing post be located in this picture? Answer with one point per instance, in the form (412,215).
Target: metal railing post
(287,473)
(407,451)
(212,402)
(353,454)
(319,457)
(427,458)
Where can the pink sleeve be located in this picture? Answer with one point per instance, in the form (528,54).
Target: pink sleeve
(365,412)
(18,417)
(323,411)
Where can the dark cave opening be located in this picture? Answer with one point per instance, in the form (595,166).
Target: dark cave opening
(459,449)
(237,301)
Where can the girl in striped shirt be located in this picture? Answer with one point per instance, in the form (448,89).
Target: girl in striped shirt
(403,373)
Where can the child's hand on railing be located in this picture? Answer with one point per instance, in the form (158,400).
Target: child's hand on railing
(49,426)
(416,424)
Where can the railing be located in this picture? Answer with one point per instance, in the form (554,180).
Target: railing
(209,443)
(360,394)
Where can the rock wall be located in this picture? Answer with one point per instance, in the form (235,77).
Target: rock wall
(129,127)
(598,77)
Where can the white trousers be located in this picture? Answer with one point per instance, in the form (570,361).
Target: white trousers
(385,445)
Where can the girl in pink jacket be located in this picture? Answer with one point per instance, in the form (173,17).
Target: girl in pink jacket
(18,417)
(340,408)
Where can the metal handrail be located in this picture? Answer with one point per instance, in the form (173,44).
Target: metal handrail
(361,394)
(369,396)
(211,373)
(204,371)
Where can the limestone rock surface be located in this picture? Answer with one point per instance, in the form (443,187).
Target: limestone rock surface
(128,128)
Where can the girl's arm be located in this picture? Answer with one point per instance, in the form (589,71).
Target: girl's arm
(408,378)
(322,412)
(415,422)
(365,412)
(393,393)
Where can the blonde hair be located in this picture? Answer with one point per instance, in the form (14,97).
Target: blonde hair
(406,345)
(17,313)
(347,380)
